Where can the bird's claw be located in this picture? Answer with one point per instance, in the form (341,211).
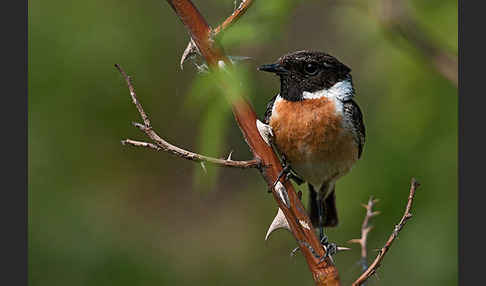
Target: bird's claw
(285,172)
(298,180)
(330,248)
(288,173)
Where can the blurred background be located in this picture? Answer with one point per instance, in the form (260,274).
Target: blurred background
(105,214)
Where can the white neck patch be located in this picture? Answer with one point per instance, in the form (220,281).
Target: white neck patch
(336,93)
(339,90)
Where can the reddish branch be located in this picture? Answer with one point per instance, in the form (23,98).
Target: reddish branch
(365,230)
(406,216)
(323,272)
(162,145)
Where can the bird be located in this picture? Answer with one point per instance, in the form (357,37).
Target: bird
(317,128)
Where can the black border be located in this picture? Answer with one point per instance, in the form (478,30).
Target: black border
(472,143)
(13,209)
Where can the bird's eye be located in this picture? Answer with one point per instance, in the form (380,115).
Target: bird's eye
(311,68)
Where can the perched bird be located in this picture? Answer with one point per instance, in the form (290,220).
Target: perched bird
(317,126)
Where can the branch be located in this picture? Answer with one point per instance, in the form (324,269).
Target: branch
(237,13)
(406,216)
(193,156)
(192,49)
(162,145)
(365,230)
(323,271)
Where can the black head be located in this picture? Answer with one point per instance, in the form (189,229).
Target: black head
(309,71)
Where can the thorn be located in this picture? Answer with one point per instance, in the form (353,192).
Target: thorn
(368,229)
(229,156)
(278,222)
(375,213)
(190,51)
(204,167)
(355,240)
(342,248)
(282,192)
(236,59)
(265,131)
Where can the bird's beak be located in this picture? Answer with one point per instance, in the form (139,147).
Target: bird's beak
(275,68)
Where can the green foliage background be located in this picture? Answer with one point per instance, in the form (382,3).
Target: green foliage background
(105,214)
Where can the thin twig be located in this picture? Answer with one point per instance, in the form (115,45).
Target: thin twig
(162,145)
(406,216)
(193,156)
(133,95)
(365,230)
(230,21)
(237,13)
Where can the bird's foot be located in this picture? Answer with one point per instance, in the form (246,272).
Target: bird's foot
(330,248)
(298,180)
(287,173)
(284,173)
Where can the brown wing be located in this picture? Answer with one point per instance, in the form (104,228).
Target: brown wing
(355,117)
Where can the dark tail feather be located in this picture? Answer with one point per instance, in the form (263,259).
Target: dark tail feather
(330,218)
(313,210)
(330,210)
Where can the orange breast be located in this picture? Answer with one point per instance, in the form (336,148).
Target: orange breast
(310,130)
